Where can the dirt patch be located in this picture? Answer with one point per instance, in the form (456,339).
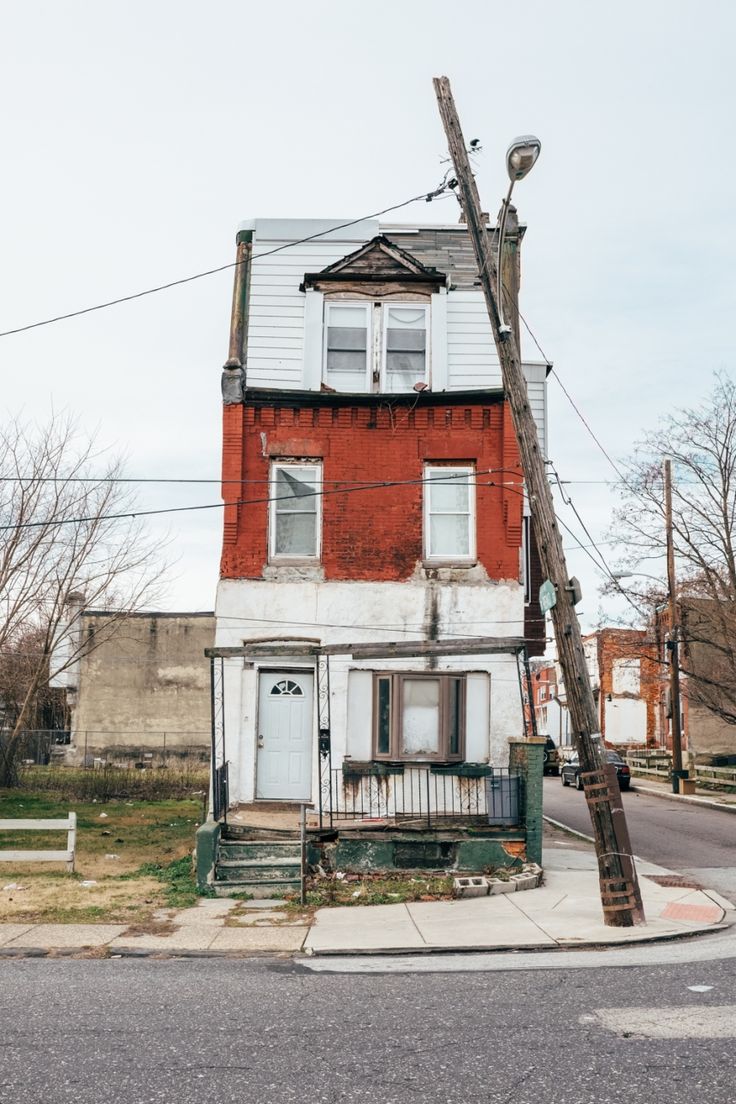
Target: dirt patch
(53,899)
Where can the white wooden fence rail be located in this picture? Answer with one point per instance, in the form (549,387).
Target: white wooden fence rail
(16,825)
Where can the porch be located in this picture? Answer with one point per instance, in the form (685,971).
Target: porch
(371,814)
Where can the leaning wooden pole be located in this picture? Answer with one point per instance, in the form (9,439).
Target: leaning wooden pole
(620,895)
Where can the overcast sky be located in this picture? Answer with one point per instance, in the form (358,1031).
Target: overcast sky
(138,135)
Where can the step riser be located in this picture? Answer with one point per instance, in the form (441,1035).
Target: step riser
(259,852)
(255,875)
(262,891)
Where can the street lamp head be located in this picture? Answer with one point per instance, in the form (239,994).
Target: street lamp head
(522,155)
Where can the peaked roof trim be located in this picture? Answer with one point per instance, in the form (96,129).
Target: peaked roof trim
(413,269)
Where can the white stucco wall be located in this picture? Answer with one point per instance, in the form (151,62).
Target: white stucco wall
(341,612)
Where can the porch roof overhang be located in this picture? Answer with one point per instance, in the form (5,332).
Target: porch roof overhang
(482,645)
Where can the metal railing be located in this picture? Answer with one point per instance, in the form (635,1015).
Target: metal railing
(426,796)
(220,783)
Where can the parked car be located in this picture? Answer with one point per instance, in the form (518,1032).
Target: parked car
(552,757)
(570,772)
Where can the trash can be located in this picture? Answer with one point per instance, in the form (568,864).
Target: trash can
(502,799)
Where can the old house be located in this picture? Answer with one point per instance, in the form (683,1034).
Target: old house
(626,679)
(378,582)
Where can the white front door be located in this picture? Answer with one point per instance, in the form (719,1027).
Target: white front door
(285,734)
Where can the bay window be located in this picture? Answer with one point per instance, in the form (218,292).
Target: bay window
(419,717)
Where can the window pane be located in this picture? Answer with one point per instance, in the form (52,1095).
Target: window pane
(420,720)
(347,337)
(406,340)
(455,704)
(295,490)
(346,361)
(296,535)
(406,318)
(383,742)
(449,535)
(448,492)
(347,317)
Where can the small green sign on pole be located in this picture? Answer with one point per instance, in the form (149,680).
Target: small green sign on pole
(547,595)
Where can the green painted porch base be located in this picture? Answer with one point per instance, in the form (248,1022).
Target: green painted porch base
(206,842)
(425,852)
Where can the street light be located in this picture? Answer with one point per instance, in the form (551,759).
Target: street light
(521,156)
(634,574)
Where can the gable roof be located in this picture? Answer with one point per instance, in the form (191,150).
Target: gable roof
(379,259)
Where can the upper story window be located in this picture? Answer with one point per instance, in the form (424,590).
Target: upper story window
(449,513)
(378,346)
(295,512)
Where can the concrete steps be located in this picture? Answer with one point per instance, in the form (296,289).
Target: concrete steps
(262,868)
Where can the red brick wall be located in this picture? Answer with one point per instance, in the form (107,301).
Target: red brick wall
(374,534)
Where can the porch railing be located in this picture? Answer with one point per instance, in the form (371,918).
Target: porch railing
(220,791)
(430,797)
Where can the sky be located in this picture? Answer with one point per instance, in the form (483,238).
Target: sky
(137,136)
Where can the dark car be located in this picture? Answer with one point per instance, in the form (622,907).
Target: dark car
(570,771)
(551,757)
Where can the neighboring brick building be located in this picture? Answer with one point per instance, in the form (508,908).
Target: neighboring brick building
(373,492)
(626,677)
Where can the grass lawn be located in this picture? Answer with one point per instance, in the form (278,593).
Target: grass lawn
(137,854)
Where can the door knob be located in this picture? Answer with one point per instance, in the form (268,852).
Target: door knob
(260,741)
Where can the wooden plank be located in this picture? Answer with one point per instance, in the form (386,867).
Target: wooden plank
(36,856)
(18,825)
(378,649)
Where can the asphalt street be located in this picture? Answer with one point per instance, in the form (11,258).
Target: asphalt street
(691,839)
(187,1031)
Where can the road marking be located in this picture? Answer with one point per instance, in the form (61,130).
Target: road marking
(688,1022)
(700,988)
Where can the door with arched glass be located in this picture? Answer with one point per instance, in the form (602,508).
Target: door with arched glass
(284,743)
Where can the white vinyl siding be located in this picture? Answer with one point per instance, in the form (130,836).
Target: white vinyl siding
(276,315)
(449,514)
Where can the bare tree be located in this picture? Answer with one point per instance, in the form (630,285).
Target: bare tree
(66,530)
(701,442)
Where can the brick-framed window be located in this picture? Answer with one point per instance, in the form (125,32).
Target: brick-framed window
(419,716)
(295,514)
(449,513)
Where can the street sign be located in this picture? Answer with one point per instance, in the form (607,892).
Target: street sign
(547,596)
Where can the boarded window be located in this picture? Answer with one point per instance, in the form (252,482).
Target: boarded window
(419,717)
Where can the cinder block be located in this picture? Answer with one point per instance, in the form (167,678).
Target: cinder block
(470,887)
(503,887)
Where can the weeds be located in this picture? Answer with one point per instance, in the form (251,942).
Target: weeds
(110,783)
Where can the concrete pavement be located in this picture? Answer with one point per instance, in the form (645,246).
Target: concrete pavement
(565,912)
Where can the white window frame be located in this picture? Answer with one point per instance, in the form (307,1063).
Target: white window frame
(366,307)
(376,312)
(401,304)
(294,465)
(431,471)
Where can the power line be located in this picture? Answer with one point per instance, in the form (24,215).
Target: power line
(426,196)
(52,523)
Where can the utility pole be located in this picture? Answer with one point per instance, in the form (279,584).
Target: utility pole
(620,896)
(674,640)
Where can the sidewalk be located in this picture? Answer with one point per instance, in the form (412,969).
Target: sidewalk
(713,799)
(565,912)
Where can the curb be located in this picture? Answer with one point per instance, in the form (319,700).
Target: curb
(570,831)
(532,948)
(686,799)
